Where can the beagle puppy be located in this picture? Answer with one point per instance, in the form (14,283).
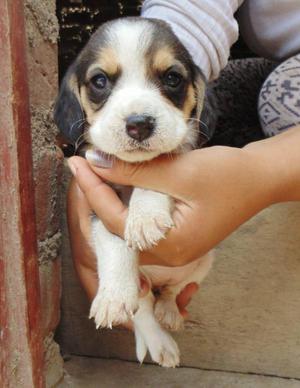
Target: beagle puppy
(134,93)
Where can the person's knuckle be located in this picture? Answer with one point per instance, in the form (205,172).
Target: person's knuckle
(92,191)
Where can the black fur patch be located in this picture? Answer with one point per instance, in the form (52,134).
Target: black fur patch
(68,114)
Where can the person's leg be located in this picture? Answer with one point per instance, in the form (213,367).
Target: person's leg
(279,99)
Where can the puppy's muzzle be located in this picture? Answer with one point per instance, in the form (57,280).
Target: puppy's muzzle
(140,127)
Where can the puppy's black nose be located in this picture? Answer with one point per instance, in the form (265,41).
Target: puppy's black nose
(140,127)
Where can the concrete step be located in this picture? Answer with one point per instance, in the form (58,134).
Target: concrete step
(245,318)
(83,372)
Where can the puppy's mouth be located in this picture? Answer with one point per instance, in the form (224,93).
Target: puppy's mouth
(137,149)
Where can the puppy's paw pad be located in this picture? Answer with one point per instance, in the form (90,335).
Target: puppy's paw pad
(164,351)
(111,308)
(168,315)
(144,229)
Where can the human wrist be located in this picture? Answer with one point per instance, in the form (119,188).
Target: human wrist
(278,160)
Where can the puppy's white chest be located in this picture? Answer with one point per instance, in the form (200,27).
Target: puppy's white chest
(169,276)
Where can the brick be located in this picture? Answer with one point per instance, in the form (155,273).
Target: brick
(47,181)
(53,361)
(21,360)
(50,294)
(42,33)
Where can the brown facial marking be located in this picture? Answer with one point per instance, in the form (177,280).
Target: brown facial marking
(189,103)
(200,93)
(73,85)
(87,105)
(107,61)
(163,59)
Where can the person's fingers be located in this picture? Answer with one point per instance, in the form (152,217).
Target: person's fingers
(83,210)
(185,296)
(101,197)
(152,175)
(144,286)
(82,254)
(113,213)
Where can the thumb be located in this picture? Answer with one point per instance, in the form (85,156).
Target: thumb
(101,197)
(157,174)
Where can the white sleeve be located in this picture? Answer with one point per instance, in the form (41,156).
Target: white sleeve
(207,28)
(271,28)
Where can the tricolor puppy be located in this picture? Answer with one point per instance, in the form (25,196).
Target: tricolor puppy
(134,93)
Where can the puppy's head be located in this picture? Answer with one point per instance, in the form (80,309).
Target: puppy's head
(136,91)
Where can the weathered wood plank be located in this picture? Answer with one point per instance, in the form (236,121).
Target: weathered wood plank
(21,342)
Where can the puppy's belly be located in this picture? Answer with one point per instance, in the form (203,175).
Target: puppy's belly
(163,276)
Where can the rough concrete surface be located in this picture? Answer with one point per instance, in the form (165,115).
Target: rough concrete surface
(97,373)
(245,318)
(53,362)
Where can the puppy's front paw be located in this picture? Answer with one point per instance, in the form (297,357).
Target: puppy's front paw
(114,307)
(146,226)
(168,315)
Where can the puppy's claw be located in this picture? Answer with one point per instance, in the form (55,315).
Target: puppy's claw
(146,227)
(111,308)
(162,347)
(141,347)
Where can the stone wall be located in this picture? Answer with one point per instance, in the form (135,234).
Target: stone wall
(42,33)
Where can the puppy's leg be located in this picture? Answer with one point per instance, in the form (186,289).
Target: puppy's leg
(148,219)
(166,310)
(117,297)
(150,335)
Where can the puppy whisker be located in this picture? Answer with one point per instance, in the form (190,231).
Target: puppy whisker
(81,139)
(198,130)
(81,121)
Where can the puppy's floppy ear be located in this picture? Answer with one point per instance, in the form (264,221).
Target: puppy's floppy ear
(206,107)
(68,113)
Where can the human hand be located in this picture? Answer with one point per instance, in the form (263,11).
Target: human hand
(215,190)
(218,188)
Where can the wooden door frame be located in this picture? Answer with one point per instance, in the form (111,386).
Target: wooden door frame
(21,345)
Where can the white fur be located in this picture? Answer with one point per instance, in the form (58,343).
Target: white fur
(117,297)
(134,94)
(148,219)
(151,336)
(150,213)
(166,310)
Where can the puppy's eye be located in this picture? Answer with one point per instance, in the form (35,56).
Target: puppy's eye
(99,81)
(172,79)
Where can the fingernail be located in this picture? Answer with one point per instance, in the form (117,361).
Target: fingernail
(72,167)
(98,159)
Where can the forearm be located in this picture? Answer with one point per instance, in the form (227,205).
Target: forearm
(279,158)
(261,174)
